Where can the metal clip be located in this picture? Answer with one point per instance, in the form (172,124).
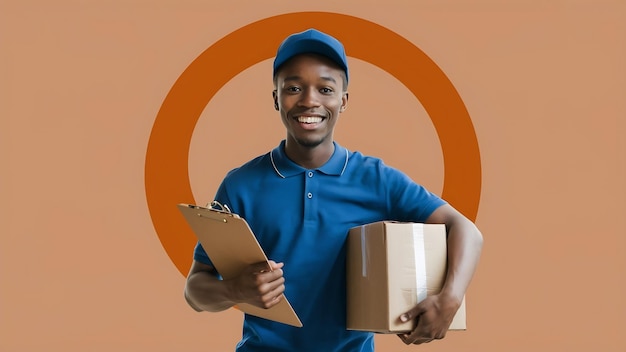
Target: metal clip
(223,207)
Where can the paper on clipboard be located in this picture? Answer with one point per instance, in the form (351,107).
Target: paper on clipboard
(229,242)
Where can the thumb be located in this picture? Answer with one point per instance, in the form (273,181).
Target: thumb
(413,313)
(274,265)
(259,268)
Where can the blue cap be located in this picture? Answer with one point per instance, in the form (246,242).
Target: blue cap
(311,41)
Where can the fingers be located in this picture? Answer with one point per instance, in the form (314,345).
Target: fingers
(268,283)
(427,326)
(264,275)
(274,265)
(262,267)
(417,338)
(413,313)
(274,293)
(408,340)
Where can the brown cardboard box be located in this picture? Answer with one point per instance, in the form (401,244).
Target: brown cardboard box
(391,266)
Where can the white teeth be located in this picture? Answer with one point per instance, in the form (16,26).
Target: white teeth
(309,119)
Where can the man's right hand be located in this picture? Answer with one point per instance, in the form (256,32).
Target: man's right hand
(259,285)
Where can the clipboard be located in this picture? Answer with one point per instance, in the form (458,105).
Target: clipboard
(229,242)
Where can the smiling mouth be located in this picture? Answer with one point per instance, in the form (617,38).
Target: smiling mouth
(309,119)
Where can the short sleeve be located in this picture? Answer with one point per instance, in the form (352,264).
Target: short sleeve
(200,255)
(408,200)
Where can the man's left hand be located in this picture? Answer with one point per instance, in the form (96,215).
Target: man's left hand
(433,317)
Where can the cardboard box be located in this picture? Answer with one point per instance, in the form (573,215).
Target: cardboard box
(391,266)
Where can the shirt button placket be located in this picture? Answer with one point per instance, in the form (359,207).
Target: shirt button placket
(309,203)
(310,174)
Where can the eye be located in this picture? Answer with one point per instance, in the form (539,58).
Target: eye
(293,89)
(326,90)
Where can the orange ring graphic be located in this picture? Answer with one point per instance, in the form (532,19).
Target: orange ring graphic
(166,168)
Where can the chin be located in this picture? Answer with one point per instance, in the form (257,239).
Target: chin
(310,143)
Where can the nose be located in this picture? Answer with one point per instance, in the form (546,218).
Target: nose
(309,98)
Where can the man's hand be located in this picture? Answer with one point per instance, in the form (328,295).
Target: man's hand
(259,285)
(433,317)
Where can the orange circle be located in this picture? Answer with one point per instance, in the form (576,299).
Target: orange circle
(166,169)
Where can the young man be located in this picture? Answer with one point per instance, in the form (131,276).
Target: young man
(300,200)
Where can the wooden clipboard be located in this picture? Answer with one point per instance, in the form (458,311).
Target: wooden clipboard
(229,242)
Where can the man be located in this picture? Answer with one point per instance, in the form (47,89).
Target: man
(300,200)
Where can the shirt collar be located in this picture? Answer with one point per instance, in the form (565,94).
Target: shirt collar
(284,167)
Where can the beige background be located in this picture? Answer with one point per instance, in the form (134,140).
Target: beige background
(81,82)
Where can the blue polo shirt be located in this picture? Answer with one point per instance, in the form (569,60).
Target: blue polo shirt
(301,217)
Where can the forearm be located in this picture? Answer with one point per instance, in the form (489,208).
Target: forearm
(205,292)
(464,248)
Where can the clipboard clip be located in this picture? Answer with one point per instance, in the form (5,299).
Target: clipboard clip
(222,207)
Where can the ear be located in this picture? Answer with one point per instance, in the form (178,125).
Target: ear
(344,102)
(275,97)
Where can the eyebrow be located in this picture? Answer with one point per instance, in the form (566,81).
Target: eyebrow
(297,78)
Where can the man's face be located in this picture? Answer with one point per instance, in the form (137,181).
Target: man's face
(310,96)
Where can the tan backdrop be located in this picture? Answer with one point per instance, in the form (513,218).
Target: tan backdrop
(81,83)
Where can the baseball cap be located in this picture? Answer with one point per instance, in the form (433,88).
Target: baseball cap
(311,41)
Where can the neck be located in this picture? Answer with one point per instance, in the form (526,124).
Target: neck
(309,157)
